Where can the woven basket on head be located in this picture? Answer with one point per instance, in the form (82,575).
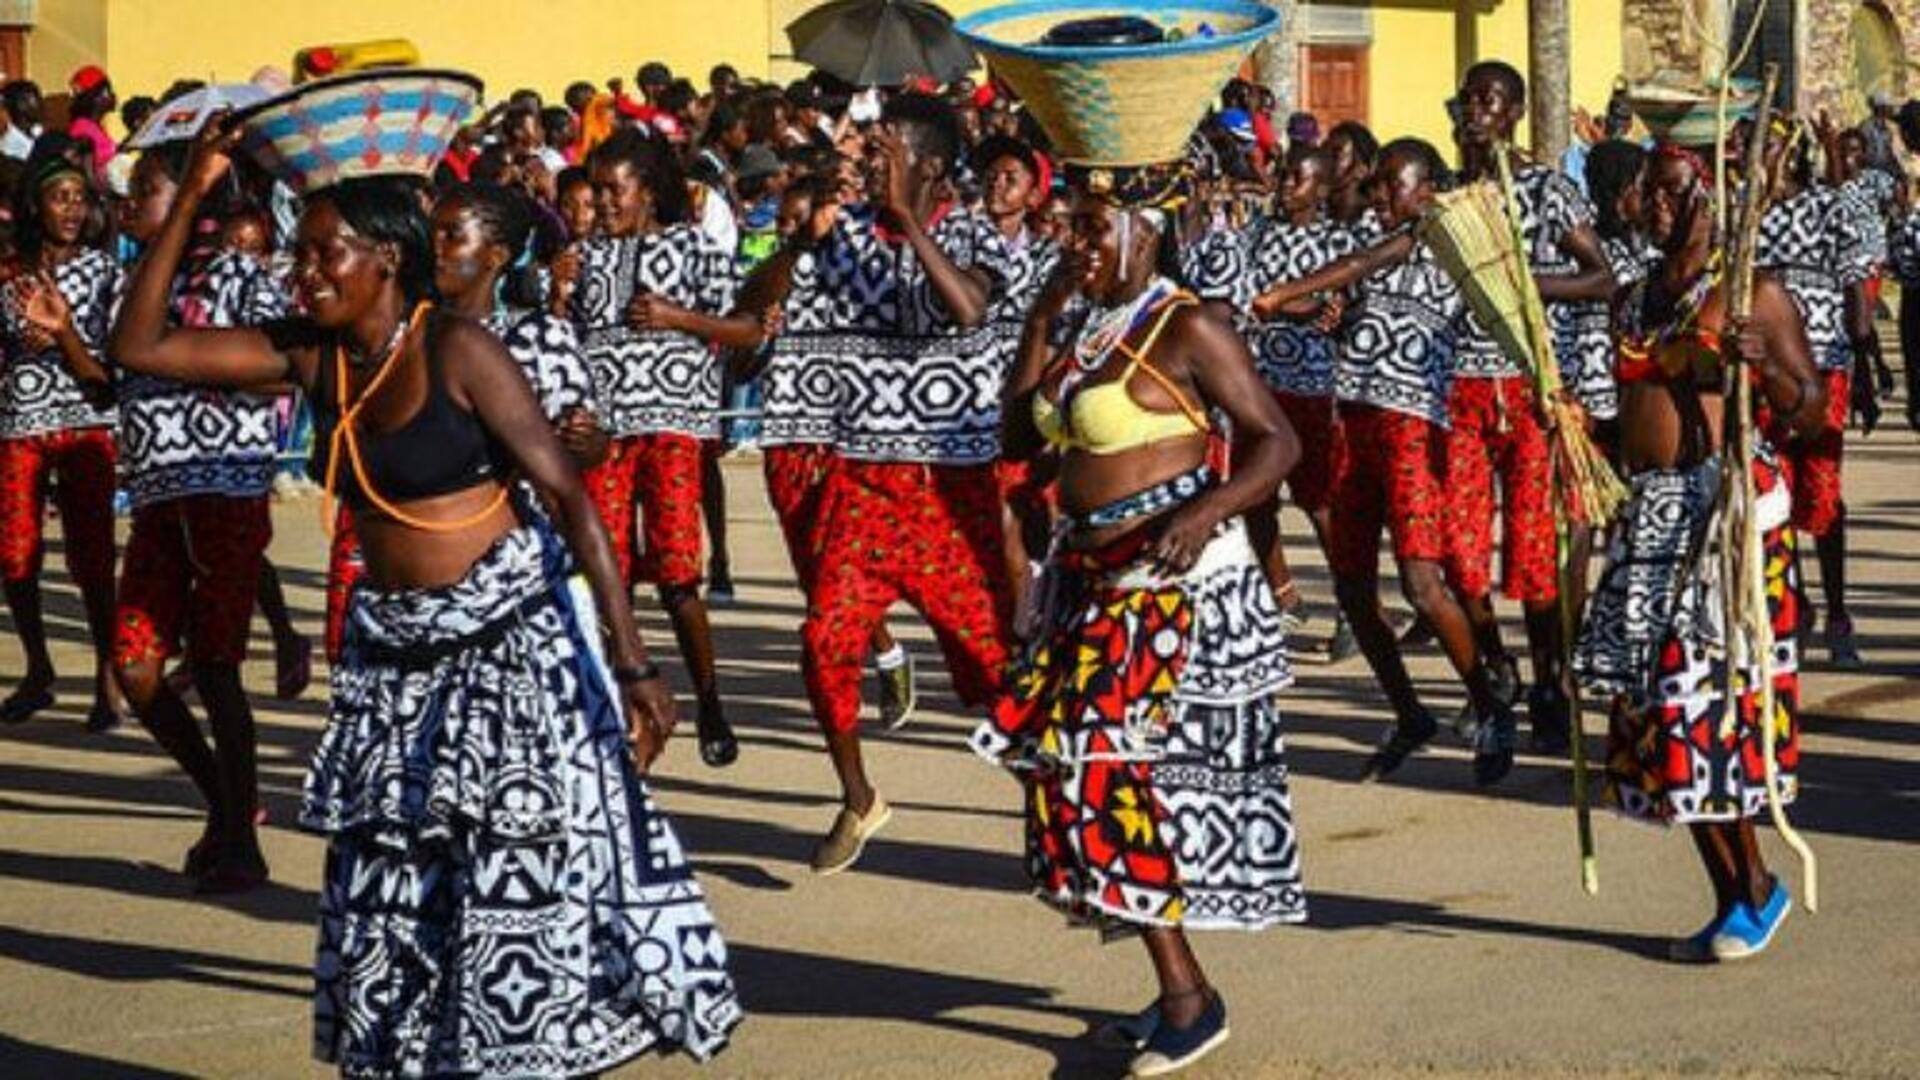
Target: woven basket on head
(1690,117)
(381,122)
(1119,105)
(1468,232)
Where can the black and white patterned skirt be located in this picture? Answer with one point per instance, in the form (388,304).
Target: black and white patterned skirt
(501,896)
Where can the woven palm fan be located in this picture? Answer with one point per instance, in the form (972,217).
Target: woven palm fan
(1477,241)
(1119,104)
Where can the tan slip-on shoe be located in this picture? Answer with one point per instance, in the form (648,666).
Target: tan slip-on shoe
(842,845)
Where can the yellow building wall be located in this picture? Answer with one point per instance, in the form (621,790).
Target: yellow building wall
(66,35)
(544,44)
(1421,48)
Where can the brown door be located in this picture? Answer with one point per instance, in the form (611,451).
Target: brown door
(1336,83)
(13,53)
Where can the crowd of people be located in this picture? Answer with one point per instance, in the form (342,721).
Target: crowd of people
(1050,407)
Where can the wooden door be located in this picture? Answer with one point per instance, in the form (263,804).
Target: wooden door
(1335,83)
(13,53)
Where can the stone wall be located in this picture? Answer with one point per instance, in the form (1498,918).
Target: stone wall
(1663,37)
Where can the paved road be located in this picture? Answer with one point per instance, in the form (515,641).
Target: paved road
(1448,936)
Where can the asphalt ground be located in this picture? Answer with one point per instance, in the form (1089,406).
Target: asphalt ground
(1448,935)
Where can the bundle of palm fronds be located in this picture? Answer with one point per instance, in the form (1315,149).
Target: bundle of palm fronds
(1476,236)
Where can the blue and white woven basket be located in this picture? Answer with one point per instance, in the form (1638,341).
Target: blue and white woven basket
(1119,105)
(382,122)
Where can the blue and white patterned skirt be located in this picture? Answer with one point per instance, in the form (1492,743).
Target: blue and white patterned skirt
(501,896)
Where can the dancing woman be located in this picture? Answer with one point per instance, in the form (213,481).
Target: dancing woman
(500,897)
(1653,639)
(481,233)
(650,296)
(56,422)
(1157,795)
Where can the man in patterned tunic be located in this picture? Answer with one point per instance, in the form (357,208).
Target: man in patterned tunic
(1291,345)
(198,466)
(799,425)
(1391,378)
(1496,431)
(1825,243)
(912,511)
(1013,179)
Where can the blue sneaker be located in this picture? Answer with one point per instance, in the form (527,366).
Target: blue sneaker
(1171,1049)
(1748,932)
(1130,1032)
(1698,949)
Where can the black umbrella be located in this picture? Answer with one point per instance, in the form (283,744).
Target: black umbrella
(880,42)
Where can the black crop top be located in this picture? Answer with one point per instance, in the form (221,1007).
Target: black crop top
(442,449)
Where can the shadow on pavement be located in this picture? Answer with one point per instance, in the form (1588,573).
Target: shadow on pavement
(30,1059)
(122,962)
(272,902)
(779,982)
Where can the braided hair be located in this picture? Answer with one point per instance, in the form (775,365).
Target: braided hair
(506,217)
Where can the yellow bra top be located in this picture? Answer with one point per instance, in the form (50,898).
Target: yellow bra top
(1105,419)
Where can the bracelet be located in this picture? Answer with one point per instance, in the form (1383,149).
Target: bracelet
(627,676)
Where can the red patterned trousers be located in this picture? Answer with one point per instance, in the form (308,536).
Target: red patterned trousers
(926,534)
(1812,464)
(1389,471)
(190,575)
(1310,484)
(796,481)
(1497,434)
(648,494)
(81,462)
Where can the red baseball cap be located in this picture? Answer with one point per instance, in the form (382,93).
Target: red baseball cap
(87,78)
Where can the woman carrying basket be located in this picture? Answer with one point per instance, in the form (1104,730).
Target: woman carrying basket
(1133,761)
(501,897)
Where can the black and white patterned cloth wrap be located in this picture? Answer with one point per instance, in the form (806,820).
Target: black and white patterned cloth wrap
(653,381)
(1399,339)
(1366,229)
(177,440)
(1030,262)
(501,897)
(1219,266)
(1292,356)
(1820,243)
(1551,209)
(37,394)
(548,352)
(1659,580)
(1588,332)
(1903,249)
(871,360)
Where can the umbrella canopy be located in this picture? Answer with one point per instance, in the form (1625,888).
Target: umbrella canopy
(880,42)
(184,116)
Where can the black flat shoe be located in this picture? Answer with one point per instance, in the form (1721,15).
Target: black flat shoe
(20,708)
(720,749)
(1549,716)
(1493,749)
(1399,743)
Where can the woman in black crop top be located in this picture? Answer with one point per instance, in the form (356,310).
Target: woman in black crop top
(440,432)
(469,652)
